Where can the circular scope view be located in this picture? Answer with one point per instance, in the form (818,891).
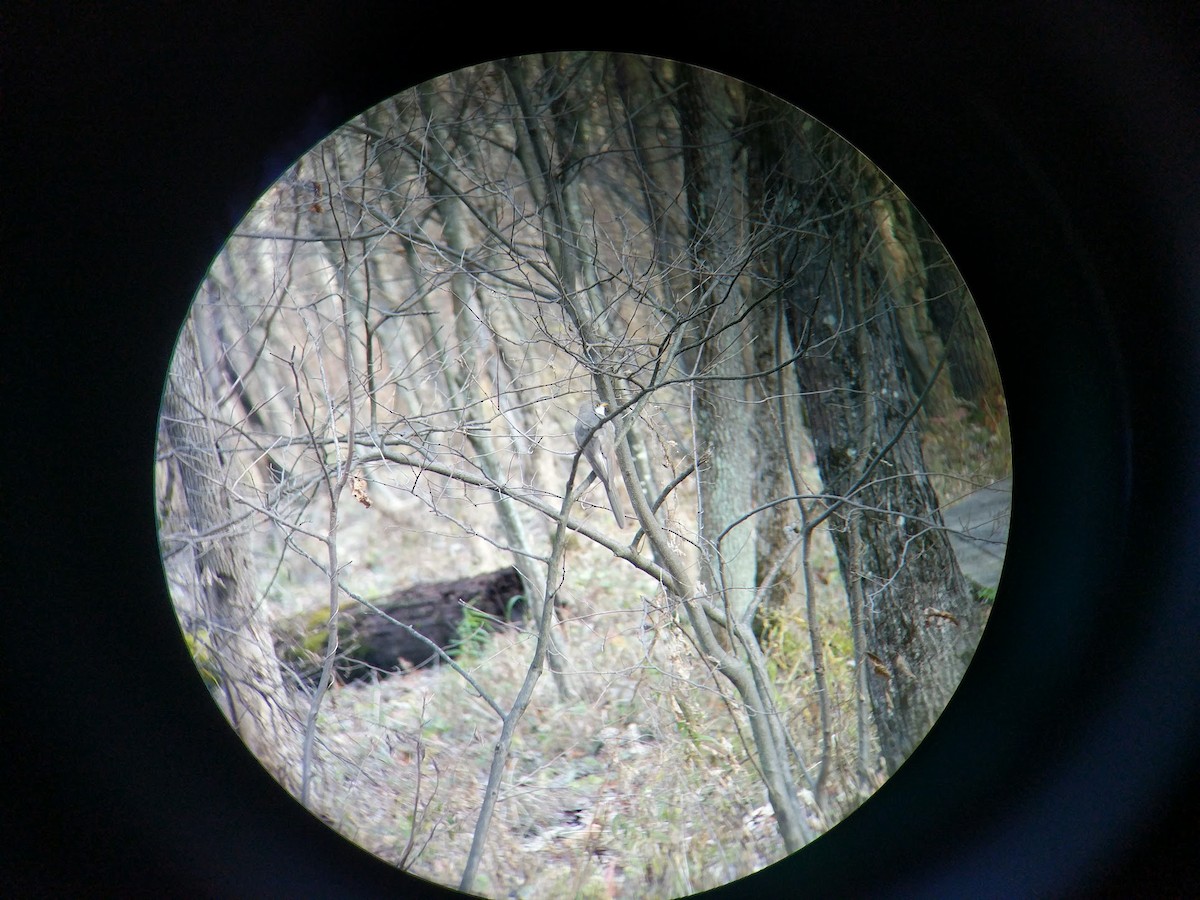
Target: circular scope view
(582,475)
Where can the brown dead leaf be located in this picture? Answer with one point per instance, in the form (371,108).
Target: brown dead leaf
(358,486)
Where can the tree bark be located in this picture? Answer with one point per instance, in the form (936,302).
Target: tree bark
(256,702)
(919,619)
(724,426)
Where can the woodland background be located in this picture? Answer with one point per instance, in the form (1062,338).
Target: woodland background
(802,390)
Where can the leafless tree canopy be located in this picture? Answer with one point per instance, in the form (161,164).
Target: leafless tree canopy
(380,384)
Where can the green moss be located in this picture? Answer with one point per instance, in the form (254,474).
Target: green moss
(470,638)
(201,651)
(301,641)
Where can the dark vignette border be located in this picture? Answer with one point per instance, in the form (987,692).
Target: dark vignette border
(1054,150)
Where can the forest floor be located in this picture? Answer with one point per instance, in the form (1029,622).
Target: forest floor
(642,783)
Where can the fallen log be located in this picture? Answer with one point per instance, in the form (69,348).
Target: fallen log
(373,644)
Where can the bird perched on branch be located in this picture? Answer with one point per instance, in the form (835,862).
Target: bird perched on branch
(597,450)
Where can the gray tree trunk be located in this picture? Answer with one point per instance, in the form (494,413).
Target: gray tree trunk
(920,621)
(239,626)
(723,414)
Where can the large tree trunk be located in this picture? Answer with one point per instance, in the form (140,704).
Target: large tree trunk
(224,590)
(953,314)
(920,621)
(919,618)
(714,177)
(724,425)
